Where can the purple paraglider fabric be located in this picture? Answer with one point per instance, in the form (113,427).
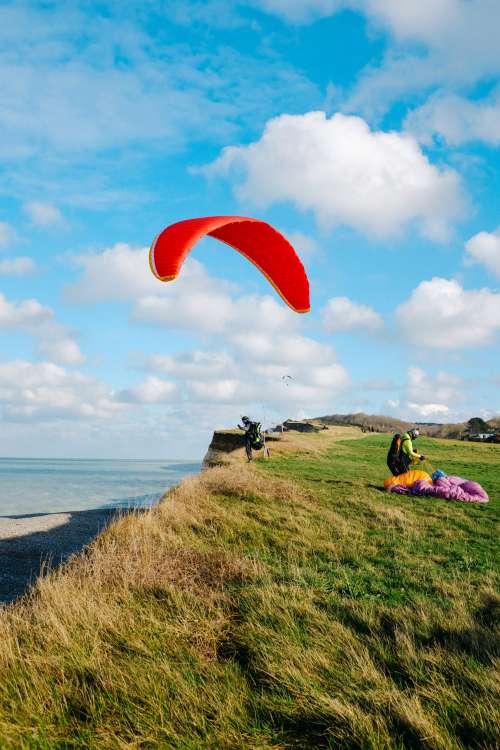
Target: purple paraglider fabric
(448,488)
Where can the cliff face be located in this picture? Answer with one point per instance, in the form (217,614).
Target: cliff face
(223,442)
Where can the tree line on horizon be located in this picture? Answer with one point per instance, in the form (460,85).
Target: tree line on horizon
(383,423)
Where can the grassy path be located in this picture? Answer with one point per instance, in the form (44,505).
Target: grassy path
(290,604)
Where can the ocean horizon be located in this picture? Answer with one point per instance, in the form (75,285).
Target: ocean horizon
(54,485)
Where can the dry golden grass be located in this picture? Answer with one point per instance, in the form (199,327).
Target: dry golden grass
(276,605)
(288,443)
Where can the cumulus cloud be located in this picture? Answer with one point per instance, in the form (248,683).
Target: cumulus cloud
(434,42)
(342,314)
(484,248)
(444,388)
(152,390)
(250,372)
(192,365)
(375,181)
(120,272)
(299,11)
(424,22)
(428,411)
(303,243)
(457,119)
(38,321)
(449,43)
(203,304)
(26,315)
(250,341)
(21,266)
(425,396)
(440,314)
(46,391)
(230,390)
(153,98)
(43,214)
(287,349)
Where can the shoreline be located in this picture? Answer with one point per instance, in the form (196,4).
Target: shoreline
(31,543)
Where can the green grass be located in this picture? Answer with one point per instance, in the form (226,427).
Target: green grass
(292,604)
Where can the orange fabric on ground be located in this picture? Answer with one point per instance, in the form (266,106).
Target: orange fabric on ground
(407,478)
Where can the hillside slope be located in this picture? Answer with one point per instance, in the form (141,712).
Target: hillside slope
(286,604)
(383,423)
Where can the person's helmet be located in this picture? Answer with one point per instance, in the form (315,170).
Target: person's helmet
(414,433)
(245,420)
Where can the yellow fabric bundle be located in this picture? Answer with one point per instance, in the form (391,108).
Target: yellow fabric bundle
(407,478)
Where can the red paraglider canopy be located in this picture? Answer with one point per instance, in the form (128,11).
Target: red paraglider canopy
(258,241)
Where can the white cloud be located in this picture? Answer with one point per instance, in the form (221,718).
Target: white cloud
(285,350)
(250,341)
(444,387)
(252,373)
(26,315)
(484,248)
(299,11)
(426,21)
(303,243)
(457,119)
(38,321)
(230,390)
(341,314)
(21,266)
(152,390)
(422,21)
(7,234)
(118,273)
(457,46)
(426,411)
(45,391)
(345,173)
(43,214)
(56,346)
(209,311)
(440,314)
(133,85)
(202,304)
(446,43)
(430,397)
(192,365)
(122,273)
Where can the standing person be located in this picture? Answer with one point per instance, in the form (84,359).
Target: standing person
(410,456)
(253,437)
(401,453)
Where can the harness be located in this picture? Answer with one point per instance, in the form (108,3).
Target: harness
(254,436)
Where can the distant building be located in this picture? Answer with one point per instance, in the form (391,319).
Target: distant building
(479,436)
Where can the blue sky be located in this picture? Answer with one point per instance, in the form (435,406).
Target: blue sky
(367,131)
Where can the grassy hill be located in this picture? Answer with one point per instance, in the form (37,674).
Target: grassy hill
(382,423)
(286,604)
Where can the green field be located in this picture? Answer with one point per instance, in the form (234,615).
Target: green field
(290,604)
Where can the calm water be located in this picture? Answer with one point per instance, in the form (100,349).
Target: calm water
(38,485)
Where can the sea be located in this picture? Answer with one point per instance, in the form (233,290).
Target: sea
(43,485)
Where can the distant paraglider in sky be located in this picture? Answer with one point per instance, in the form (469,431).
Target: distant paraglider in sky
(258,241)
(285,379)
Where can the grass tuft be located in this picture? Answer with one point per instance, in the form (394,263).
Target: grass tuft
(286,604)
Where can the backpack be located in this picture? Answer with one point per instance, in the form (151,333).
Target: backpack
(394,450)
(255,437)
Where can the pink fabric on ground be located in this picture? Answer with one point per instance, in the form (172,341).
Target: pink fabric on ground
(448,488)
